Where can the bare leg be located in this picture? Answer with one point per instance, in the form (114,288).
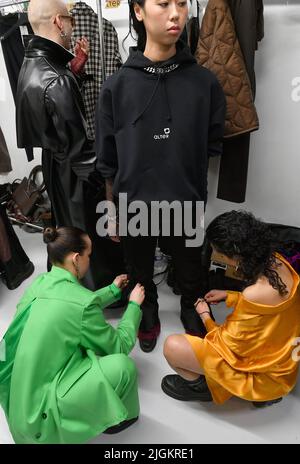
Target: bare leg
(181,357)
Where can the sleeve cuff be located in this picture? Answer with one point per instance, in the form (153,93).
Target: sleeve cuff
(210,325)
(116,291)
(133,303)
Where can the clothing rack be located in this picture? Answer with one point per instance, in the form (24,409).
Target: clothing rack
(6,3)
(101,35)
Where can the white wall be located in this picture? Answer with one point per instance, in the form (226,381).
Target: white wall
(273,191)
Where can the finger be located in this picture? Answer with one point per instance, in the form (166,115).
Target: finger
(209,294)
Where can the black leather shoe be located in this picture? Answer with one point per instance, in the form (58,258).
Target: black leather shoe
(180,389)
(20,276)
(120,427)
(263,404)
(148,345)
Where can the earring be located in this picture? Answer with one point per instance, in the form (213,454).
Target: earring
(63,34)
(237,266)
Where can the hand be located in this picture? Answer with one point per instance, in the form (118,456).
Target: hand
(121,281)
(215,296)
(202,307)
(83,44)
(138,294)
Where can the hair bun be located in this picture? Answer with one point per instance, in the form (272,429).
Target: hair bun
(49,234)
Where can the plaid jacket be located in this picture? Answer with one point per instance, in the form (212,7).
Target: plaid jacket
(87,26)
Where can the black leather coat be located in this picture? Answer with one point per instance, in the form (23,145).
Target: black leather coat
(50,114)
(50,111)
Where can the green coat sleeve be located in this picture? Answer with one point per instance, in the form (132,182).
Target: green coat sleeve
(101,337)
(108,295)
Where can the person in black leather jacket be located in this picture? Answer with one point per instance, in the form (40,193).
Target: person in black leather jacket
(50,114)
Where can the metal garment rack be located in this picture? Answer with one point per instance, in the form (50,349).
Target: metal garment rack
(4,4)
(101,35)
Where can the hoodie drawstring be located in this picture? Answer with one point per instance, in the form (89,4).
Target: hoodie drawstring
(169,115)
(161,77)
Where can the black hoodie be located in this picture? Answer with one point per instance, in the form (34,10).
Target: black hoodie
(156,126)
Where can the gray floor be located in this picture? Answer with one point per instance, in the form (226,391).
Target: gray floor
(164,420)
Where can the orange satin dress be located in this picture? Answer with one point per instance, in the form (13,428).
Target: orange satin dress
(251,354)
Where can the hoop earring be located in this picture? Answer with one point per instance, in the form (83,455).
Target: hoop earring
(63,34)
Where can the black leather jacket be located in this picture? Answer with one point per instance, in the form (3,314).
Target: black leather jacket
(49,108)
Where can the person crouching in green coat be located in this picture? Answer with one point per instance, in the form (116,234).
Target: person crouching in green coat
(65,374)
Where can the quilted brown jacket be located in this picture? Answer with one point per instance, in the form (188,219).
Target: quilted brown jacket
(219,50)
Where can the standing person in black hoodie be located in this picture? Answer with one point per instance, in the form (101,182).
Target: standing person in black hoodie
(159,119)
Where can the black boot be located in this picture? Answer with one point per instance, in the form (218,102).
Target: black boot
(263,404)
(184,390)
(148,345)
(120,427)
(148,339)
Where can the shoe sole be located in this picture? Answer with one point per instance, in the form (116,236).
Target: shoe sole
(265,404)
(180,398)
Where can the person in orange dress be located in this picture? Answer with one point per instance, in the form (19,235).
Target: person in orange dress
(252,355)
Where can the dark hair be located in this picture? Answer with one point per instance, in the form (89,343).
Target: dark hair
(238,234)
(138,26)
(62,241)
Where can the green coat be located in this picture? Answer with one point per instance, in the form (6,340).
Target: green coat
(55,341)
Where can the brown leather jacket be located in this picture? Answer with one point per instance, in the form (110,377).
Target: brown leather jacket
(219,50)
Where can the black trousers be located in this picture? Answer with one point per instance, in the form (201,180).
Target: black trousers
(234,169)
(139,255)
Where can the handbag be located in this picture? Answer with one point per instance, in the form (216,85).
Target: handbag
(28,193)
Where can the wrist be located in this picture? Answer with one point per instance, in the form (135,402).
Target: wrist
(134,303)
(204,314)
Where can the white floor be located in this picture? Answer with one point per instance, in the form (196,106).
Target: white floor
(164,420)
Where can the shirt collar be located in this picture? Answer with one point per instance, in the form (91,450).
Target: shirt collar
(62,273)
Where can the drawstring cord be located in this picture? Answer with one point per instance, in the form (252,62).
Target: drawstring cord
(161,77)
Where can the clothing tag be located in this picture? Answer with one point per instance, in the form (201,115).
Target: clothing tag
(112,3)
(24,31)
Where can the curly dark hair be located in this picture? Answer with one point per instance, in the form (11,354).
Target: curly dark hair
(238,234)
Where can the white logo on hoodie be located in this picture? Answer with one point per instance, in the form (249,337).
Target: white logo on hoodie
(166,135)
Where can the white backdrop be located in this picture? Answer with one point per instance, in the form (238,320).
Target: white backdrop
(273,191)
